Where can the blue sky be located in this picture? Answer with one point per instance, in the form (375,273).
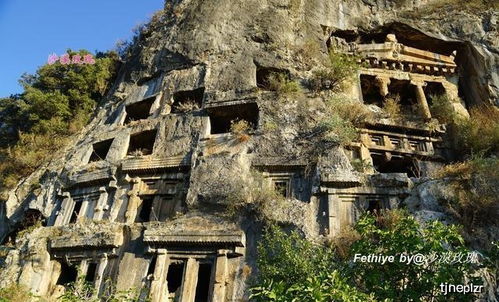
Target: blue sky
(30,30)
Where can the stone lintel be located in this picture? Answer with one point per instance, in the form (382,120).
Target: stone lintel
(152,164)
(85,178)
(216,104)
(93,239)
(200,238)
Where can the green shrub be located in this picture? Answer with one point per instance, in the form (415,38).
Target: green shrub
(334,130)
(280,83)
(291,268)
(337,70)
(294,269)
(350,110)
(442,110)
(395,233)
(15,293)
(478,134)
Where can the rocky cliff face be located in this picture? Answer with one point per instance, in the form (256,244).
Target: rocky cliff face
(142,194)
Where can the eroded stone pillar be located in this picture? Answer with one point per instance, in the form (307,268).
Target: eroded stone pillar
(333,215)
(65,211)
(420,96)
(190,280)
(100,274)
(220,280)
(101,205)
(158,291)
(133,202)
(382,83)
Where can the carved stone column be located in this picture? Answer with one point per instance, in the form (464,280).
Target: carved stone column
(65,211)
(333,217)
(382,83)
(158,283)
(190,280)
(101,205)
(100,274)
(133,201)
(220,280)
(420,96)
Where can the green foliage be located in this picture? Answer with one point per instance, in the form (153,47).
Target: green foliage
(15,293)
(252,197)
(282,84)
(337,70)
(396,233)
(294,269)
(350,110)
(57,101)
(335,130)
(84,291)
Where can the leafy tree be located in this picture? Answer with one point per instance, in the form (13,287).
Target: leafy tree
(294,269)
(397,233)
(57,101)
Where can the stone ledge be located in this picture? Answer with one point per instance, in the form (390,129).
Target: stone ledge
(236,238)
(92,177)
(83,236)
(152,164)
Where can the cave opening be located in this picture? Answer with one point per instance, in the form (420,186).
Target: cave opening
(100,150)
(433,90)
(69,274)
(142,143)
(186,101)
(204,282)
(394,165)
(370,90)
(374,206)
(221,118)
(90,276)
(145,209)
(76,212)
(31,219)
(139,111)
(175,277)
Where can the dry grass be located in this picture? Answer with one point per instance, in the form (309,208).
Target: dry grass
(343,242)
(187,106)
(475,190)
(392,108)
(241,130)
